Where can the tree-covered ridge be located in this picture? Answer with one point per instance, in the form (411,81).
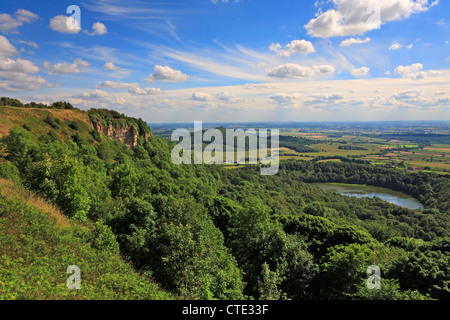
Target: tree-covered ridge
(205,232)
(11,102)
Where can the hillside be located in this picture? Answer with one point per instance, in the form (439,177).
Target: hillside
(67,124)
(202,231)
(38,243)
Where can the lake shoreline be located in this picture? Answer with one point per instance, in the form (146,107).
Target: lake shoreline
(365,191)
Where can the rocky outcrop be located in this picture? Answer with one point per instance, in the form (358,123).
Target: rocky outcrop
(128,135)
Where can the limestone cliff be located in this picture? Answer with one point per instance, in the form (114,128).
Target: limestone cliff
(128,135)
(118,126)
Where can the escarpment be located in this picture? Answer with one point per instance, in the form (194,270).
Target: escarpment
(117,126)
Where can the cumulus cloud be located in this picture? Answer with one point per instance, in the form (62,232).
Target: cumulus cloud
(352,41)
(18,65)
(415,72)
(295,46)
(325,99)
(6,48)
(98,29)
(65,67)
(395,46)
(406,95)
(11,23)
(227,97)
(166,74)
(408,69)
(132,88)
(286,99)
(20,81)
(356,17)
(16,74)
(360,72)
(323,69)
(61,24)
(111,66)
(117,71)
(295,71)
(201,96)
(92,95)
(145,91)
(291,71)
(117,85)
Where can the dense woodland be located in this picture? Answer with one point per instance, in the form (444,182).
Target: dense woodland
(207,232)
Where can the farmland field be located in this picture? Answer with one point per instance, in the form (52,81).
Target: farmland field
(403,145)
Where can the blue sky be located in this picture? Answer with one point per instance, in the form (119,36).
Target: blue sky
(245,60)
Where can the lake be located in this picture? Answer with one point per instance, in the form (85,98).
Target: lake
(363,191)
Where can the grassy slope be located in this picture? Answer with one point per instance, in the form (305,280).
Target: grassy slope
(38,243)
(34,119)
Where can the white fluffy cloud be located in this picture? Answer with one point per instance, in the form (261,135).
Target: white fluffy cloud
(323,69)
(117,71)
(16,74)
(395,46)
(18,65)
(6,48)
(295,71)
(11,24)
(227,97)
(19,82)
(356,17)
(201,96)
(286,99)
(295,46)
(330,98)
(92,95)
(117,85)
(110,66)
(408,69)
(145,91)
(65,67)
(360,72)
(415,72)
(133,88)
(98,29)
(351,41)
(166,74)
(64,24)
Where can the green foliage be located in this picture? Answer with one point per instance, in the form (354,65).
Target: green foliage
(11,102)
(10,172)
(103,239)
(52,121)
(35,253)
(268,285)
(343,268)
(427,271)
(123,181)
(389,290)
(205,232)
(21,148)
